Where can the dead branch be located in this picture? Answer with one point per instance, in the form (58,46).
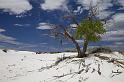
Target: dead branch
(102,57)
(99,72)
(116,73)
(112,60)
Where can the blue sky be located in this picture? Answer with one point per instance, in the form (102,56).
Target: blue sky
(24,24)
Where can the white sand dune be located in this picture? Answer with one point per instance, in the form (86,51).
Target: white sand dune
(24,66)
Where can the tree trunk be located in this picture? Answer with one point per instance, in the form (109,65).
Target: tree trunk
(75,43)
(85,47)
(78,49)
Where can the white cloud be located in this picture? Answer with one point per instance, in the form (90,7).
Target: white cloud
(116,28)
(113,36)
(44,26)
(121,2)
(13,41)
(102,5)
(79,10)
(8,39)
(54,4)
(86,3)
(17,45)
(117,22)
(73,25)
(43,43)
(15,6)
(119,43)
(104,14)
(21,25)
(119,17)
(80,41)
(2,30)
(18,25)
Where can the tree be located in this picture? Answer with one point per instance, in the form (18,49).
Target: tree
(89,30)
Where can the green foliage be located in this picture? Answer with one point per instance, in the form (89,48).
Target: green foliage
(90,30)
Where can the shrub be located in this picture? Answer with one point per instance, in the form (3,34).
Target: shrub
(5,50)
(101,50)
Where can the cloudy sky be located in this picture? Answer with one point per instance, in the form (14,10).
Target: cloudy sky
(24,24)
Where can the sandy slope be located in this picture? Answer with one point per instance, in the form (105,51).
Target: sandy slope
(23,66)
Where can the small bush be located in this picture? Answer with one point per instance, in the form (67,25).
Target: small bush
(101,50)
(54,52)
(5,50)
(38,52)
